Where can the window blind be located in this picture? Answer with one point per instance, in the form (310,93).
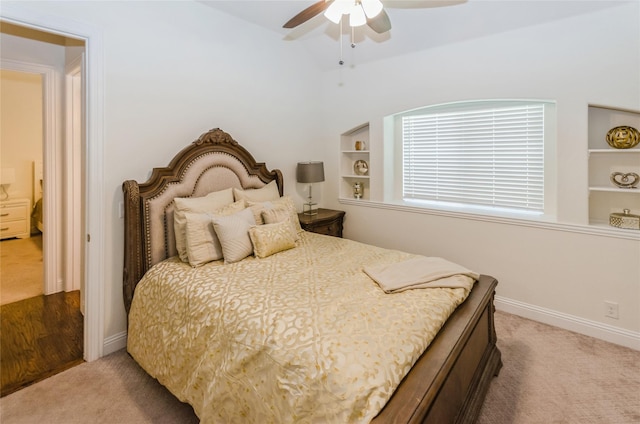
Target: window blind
(493,156)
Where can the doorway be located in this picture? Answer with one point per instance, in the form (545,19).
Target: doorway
(55,168)
(94,231)
(57,171)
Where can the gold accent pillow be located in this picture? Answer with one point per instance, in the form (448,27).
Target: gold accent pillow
(279,214)
(268,239)
(233,233)
(208,203)
(200,238)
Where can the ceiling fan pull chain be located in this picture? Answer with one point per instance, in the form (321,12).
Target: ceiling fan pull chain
(353,37)
(341,62)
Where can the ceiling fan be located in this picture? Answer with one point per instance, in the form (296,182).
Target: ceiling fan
(360,12)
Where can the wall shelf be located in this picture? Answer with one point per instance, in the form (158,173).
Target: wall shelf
(366,177)
(348,156)
(615,190)
(604,196)
(611,151)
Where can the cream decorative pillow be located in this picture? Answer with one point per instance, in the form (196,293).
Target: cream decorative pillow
(272,238)
(257,209)
(233,233)
(268,192)
(208,203)
(279,214)
(284,201)
(201,241)
(293,211)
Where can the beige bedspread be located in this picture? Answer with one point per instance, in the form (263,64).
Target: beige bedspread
(300,336)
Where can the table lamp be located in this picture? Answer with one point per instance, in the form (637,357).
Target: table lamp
(309,173)
(7,177)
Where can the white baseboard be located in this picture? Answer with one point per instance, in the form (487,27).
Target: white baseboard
(595,329)
(114,343)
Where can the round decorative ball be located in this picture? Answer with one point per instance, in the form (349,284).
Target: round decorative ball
(623,137)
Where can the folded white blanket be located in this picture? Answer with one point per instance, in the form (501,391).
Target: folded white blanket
(421,272)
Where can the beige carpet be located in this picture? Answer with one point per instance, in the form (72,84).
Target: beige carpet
(555,376)
(21,269)
(549,376)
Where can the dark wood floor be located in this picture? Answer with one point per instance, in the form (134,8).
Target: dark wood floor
(39,337)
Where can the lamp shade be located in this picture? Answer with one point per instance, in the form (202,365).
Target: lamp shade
(8,176)
(310,172)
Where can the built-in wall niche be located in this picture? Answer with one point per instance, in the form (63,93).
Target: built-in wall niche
(354,164)
(605,197)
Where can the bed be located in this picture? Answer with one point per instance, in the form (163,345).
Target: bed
(440,374)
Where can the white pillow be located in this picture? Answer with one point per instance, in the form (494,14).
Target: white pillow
(233,233)
(208,203)
(200,238)
(268,192)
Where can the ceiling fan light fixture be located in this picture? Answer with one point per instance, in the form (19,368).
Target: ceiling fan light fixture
(356,16)
(338,8)
(372,8)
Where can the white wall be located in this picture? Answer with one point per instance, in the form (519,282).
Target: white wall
(548,271)
(21,133)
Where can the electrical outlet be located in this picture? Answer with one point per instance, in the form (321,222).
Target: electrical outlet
(610,309)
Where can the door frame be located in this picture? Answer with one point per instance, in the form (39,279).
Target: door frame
(94,228)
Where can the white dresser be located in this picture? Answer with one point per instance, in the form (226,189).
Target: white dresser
(15,218)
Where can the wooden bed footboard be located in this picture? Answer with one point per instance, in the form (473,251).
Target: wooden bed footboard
(459,365)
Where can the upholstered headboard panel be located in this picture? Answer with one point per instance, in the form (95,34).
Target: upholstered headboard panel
(211,163)
(212,171)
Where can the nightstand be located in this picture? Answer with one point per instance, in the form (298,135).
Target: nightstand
(326,221)
(15,218)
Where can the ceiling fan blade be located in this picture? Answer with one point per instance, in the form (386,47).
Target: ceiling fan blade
(380,23)
(308,13)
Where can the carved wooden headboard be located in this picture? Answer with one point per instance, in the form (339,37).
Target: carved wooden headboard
(215,161)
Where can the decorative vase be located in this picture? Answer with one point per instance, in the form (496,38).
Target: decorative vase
(358,190)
